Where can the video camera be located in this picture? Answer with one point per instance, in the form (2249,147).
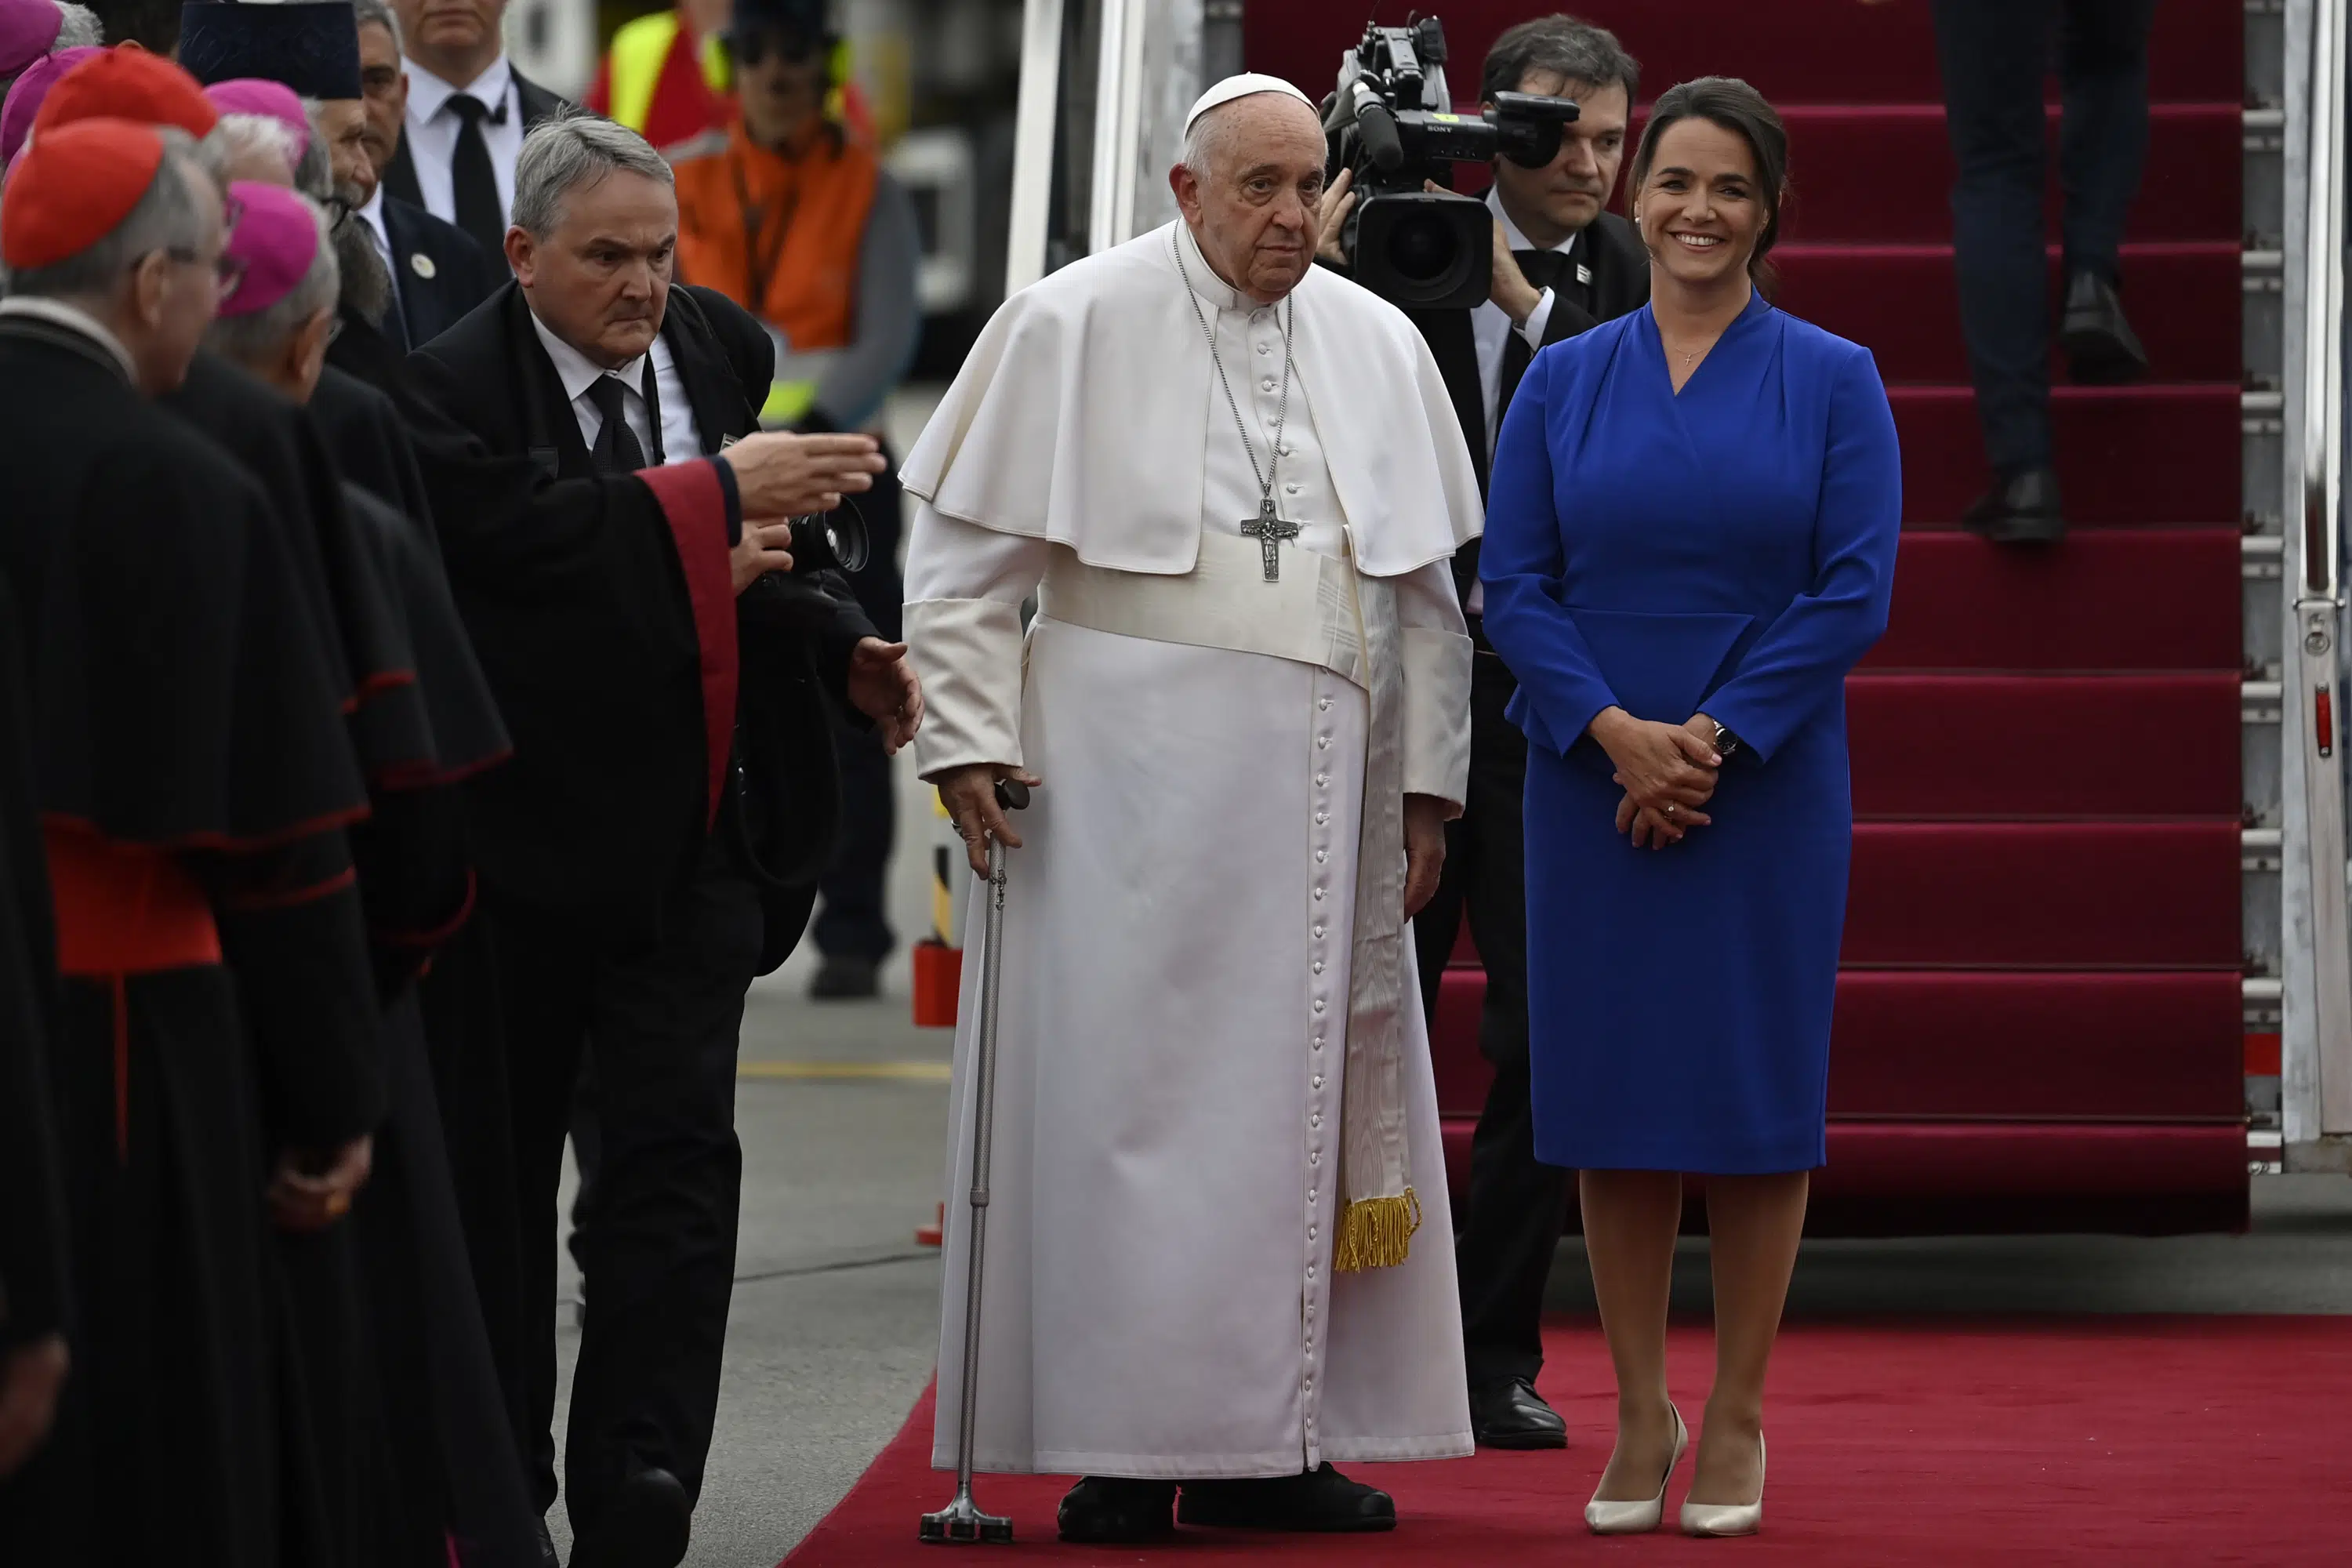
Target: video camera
(1392,121)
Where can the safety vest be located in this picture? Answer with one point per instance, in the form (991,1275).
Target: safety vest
(669,94)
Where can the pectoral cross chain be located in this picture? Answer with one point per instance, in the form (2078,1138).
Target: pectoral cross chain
(1271,533)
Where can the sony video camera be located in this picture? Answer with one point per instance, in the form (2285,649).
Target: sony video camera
(1392,121)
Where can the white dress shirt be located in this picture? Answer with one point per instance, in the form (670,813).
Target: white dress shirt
(680,442)
(1489,329)
(433,128)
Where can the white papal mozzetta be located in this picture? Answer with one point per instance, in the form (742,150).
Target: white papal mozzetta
(1212,1061)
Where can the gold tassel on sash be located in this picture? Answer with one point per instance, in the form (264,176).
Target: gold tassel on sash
(1376,1233)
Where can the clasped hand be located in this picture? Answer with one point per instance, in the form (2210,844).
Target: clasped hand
(1668,773)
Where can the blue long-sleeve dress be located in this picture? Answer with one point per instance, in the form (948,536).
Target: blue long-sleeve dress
(1726,550)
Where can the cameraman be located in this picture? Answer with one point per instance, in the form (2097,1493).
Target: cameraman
(1562,264)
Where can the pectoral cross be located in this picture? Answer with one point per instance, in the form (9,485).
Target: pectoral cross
(1270,532)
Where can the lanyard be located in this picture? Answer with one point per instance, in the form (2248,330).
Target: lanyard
(760,261)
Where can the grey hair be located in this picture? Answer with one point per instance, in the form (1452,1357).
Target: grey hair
(80,28)
(1566,46)
(314,172)
(166,217)
(239,133)
(254,340)
(364,12)
(571,150)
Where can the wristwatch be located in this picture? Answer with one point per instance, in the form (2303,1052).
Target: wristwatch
(1726,743)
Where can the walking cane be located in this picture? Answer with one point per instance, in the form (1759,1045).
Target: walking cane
(961,1523)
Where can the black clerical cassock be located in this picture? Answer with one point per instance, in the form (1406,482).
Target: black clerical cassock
(652,845)
(194,780)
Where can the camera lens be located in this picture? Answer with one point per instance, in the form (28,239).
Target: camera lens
(1422,248)
(825,541)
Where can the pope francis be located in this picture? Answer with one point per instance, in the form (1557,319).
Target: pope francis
(1233,481)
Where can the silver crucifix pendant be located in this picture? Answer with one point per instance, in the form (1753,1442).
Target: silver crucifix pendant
(1270,532)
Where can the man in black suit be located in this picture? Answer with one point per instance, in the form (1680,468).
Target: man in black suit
(655,841)
(467,117)
(438,272)
(1562,264)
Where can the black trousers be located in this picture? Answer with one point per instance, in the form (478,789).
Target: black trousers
(1995,55)
(852,921)
(1515,1208)
(660,1026)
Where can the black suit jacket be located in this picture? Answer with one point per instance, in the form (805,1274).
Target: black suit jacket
(538,104)
(440,272)
(570,584)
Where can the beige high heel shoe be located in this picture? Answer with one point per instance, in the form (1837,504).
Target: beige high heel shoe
(1638,1518)
(1730,1519)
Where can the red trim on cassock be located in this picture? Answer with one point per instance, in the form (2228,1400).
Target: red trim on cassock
(402,778)
(438,934)
(294,898)
(225,843)
(375,685)
(695,503)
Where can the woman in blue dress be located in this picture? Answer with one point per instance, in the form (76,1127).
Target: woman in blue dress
(1690,540)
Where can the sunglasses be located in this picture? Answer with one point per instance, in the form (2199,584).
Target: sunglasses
(793,48)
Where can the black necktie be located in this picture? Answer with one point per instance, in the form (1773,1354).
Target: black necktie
(1545,269)
(616,450)
(474,185)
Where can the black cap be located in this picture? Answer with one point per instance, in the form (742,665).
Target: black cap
(806,17)
(310,46)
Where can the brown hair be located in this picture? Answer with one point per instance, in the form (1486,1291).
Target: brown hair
(1741,109)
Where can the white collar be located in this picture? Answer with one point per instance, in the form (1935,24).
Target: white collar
(372,213)
(1213,291)
(578,373)
(74,319)
(1511,234)
(429,94)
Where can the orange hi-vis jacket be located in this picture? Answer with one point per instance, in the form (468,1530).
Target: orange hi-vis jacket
(668,87)
(780,235)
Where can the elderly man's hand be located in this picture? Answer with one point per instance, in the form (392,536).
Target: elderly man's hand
(1424,851)
(884,688)
(1338,201)
(30,1377)
(968,793)
(306,1193)
(778,474)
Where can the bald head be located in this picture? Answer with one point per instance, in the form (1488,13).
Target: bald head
(1248,188)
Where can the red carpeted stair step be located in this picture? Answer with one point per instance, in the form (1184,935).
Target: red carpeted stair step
(2162,452)
(2089,895)
(1883,173)
(1896,1160)
(2044,746)
(2099,1046)
(2118,599)
(1902,301)
(1827,51)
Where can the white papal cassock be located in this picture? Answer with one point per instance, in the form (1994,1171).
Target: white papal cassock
(1160,1299)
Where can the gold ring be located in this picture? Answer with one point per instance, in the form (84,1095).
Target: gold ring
(337,1205)
(1670,809)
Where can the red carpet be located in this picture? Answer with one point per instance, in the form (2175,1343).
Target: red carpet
(2153,1441)
(2043,943)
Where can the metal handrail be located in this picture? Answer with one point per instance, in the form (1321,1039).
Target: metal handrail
(1033,143)
(2315,489)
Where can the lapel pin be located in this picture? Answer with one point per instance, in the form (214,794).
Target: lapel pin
(1583,273)
(421,265)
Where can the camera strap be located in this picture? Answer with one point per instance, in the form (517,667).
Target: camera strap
(1268,527)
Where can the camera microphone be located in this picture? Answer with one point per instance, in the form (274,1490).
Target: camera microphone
(1378,128)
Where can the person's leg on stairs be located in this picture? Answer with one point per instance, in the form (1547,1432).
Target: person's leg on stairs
(2103,70)
(1754,1225)
(1631,1218)
(1994,55)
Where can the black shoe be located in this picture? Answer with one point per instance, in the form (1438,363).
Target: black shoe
(846,980)
(547,1556)
(1510,1414)
(2101,349)
(1322,1500)
(645,1526)
(1112,1511)
(2021,509)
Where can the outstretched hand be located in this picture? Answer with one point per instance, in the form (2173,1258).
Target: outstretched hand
(884,688)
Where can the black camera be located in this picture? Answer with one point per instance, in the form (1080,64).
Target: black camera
(830,540)
(1392,121)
